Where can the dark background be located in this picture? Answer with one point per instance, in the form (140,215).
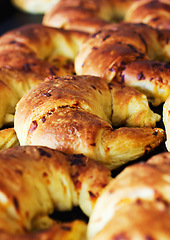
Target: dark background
(11,17)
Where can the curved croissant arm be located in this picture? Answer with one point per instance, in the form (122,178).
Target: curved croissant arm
(29,54)
(136,203)
(38,180)
(130,107)
(150,12)
(136,54)
(73,114)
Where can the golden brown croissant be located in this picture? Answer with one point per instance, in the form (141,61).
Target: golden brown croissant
(29,54)
(136,204)
(36,180)
(73,114)
(151,12)
(88,15)
(132,54)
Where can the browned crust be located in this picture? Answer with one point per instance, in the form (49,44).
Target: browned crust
(29,181)
(153,13)
(30,53)
(137,203)
(75,15)
(132,51)
(74,113)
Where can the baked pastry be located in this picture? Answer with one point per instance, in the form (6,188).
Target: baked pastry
(151,12)
(136,203)
(74,115)
(36,180)
(136,54)
(29,54)
(166,121)
(8,138)
(90,14)
(34,7)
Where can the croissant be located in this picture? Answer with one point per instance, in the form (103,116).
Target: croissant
(89,15)
(151,12)
(74,115)
(137,55)
(136,204)
(37,180)
(28,54)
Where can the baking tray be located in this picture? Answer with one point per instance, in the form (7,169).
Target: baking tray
(10,18)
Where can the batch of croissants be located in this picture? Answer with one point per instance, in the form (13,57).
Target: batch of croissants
(77,95)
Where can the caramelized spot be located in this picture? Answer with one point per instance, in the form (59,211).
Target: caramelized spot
(138,201)
(132,47)
(27,214)
(92,195)
(46,94)
(112,69)
(77,159)
(67,228)
(43,119)
(12,42)
(159,79)
(16,203)
(45,174)
(17,43)
(51,111)
(120,236)
(93,87)
(44,153)
(26,67)
(122,79)
(19,171)
(106,37)
(52,71)
(77,184)
(144,42)
(167,65)
(33,126)
(155,133)
(149,238)
(155,19)
(95,48)
(95,34)
(140,76)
